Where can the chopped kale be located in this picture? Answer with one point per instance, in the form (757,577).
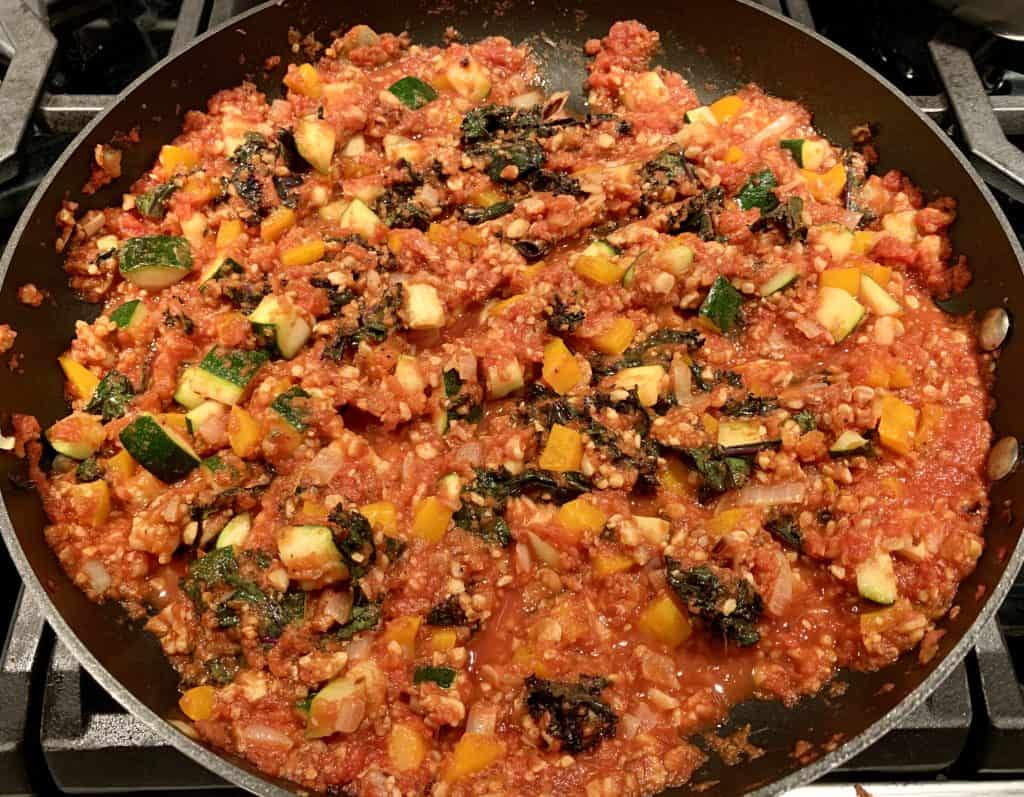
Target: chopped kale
(750,406)
(219,566)
(289,152)
(669,169)
(400,212)
(731,607)
(337,297)
(526,156)
(221,670)
(250,160)
(572,716)
(153,203)
(722,305)
(179,321)
(758,192)
(375,324)
(532,251)
(285,186)
(111,397)
(452,383)
(442,676)
(394,548)
(719,473)
(353,535)
(806,421)
(563,319)
(697,216)
(88,470)
(786,218)
(639,353)
(556,183)
(785,529)
(289,405)
(459,406)
(447,613)
(478,215)
(484,123)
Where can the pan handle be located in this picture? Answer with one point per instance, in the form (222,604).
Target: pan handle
(19,653)
(998,161)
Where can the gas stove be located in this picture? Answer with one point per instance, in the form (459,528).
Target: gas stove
(63,61)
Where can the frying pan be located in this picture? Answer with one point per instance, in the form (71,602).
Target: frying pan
(716,45)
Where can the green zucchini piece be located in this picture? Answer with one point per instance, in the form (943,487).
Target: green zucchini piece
(197,416)
(877,298)
(78,436)
(155,261)
(287,407)
(186,394)
(158,449)
(722,305)
(235,531)
(308,547)
(849,442)
(876,580)
(282,324)
(130,314)
(224,374)
(221,268)
(602,248)
(757,192)
(702,114)
(324,715)
(739,433)
(780,281)
(412,92)
(807,154)
(838,312)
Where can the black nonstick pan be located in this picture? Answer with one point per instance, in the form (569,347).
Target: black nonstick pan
(717,45)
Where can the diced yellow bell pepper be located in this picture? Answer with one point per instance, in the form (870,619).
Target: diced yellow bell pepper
(564,450)
(312,512)
(439,234)
(826,186)
(899,377)
(473,752)
(733,155)
(197,702)
(176,422)
(608,564)
(243,432)
(710,423)
(530,273)
(486,197)
(580,517)
(931,417)
(662,620)
(879,273)
(228,232)
(201,188)
(431,519)
(846,278)
(305,80)
(727,107)
(674,477)
(728,521)
(406,747)
(277,224)
(616,338)
(646,379)
(90,502)
(600,269)
(383,517)
(878,376)
(403,630)
(444,639)
(121,464)
(171,157)
(303,254)
(83,381)
(560,371)
(864,242)
(892,486)
(898,425)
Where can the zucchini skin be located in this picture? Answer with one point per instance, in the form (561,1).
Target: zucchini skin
(158,450)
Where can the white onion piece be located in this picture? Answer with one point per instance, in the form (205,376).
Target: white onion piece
(256,734)
(530,99)
(807,327)
(351,711)
(544,550)
(338,606)
(682,382)
(482,718)
(99,578)
(773,130)
(524,562)
(471,453)
(850,219)
(771,494)
(358,649)
(325,465)
(780,593)
(6,443)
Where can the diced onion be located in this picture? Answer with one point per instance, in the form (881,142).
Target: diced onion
(682,382)
(6,443)
(544,550)
(99,578)
(523,560)
(259,735)
(359,648)
(773,130)
(530,99)
(325,465)
(771,494)
(482,718)
(807,327)
(780,593)
(338,606)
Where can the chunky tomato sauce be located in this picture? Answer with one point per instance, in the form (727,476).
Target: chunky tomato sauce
(450,444)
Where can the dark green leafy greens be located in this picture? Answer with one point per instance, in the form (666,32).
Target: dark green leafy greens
(478,215)
(353,536)
(719,472)
(412,92)
(750,406)
(731,606)
(698,214)
(722,305)
(442,676)
(448,612)
(365,616)
(153,203)
(564,319)
(111,397)
(806,421)
(459,406)
(787,218)
(88,470)
(571,716)
(785,529)
(375,324)
(758,192)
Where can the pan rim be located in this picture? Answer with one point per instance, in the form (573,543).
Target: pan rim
(219,763)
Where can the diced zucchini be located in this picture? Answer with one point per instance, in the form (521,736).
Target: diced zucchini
(360,219)
(601,248)
(469,79)
(412,92)
(837,239)
(315,140)
(876,298)
(449,486)
(308,548)
(739,433)
(325,718)
(224,374)
(901,224)
(235,532)
(291,408)
(155,261)
(186,394)
(504,378)
(159,450)
(78,436)
(220,268)
(849,442)
(422,306)
(876,580)
(282,323)
(647,379)
(441,420)
(702,114)
(807,154)
(407,372)
(675,258)
(197,416)
(129,315)
(780,281)
(398,148)
(722,305)
(838,312)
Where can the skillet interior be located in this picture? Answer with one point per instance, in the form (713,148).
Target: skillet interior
(716,46)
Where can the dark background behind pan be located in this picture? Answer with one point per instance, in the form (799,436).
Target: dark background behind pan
(716,45)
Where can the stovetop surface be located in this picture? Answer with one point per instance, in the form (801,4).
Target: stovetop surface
(74,738)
